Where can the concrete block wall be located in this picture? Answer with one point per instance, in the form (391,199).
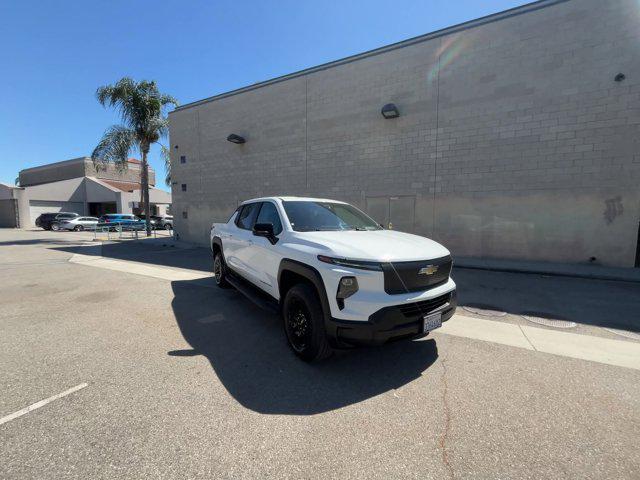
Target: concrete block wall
(514,138)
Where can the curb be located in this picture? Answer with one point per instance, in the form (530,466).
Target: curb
(552,273)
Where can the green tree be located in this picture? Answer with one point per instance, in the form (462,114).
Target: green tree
(141,107)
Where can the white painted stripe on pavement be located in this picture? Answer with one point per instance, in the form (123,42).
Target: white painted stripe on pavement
(41,403)
(163,273)
(584,347)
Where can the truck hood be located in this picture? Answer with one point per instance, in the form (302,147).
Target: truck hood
(376,245)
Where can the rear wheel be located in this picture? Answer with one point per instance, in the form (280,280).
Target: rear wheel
(167,226)
(304,323)
(55,227)
(220,271)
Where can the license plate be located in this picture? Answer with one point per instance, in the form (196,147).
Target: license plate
(431,322)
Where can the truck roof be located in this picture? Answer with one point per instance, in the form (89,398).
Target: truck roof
(292,199)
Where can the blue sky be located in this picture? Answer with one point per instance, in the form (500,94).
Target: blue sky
(56,53)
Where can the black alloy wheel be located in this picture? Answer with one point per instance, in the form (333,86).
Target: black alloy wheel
(298,325)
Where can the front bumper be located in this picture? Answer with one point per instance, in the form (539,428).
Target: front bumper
(390,323)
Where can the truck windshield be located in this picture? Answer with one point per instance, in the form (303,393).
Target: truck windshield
(308,216)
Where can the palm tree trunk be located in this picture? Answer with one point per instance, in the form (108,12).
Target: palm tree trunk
(144,177)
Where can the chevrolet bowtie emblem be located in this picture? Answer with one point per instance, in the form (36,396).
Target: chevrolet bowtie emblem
(428,270)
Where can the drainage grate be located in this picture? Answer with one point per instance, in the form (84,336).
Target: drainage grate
(624,333)
(485,312)
(550,322)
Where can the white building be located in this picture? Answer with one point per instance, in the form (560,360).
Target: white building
(77,186)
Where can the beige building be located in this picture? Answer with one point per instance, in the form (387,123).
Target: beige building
(516,137)
(77,186)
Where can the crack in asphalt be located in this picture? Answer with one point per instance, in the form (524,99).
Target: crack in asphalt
(525,336)
(447,422)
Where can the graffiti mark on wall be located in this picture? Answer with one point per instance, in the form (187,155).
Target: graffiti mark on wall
(613,209)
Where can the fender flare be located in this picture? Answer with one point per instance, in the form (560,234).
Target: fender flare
(311,274)
(217,241)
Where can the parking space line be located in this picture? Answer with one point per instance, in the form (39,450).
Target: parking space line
(155,271)
(41,403)
(137,268)
(620,353)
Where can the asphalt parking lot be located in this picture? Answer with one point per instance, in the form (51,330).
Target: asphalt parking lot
(178,379)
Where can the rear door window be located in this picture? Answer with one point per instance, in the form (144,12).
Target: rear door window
(247,216)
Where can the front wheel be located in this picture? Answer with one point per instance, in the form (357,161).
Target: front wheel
(304,323)
(78,228)
(55,227)
(220,271)
(168,226)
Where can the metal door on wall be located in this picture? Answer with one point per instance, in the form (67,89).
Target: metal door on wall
(394,213)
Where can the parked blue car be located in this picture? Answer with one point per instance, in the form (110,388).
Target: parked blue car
(125,221)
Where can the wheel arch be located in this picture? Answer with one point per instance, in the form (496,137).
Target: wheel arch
(292,272)
(216,246)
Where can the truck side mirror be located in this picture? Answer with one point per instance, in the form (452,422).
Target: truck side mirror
(265,230)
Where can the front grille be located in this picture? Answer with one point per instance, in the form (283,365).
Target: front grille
(405,277)
(422,308)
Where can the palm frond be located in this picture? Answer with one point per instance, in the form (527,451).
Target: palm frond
(157,127)
(165,154)
(118,95)
(168,100)
(114,147)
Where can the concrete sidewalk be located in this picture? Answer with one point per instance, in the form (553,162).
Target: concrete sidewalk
(550,268)
(608,351)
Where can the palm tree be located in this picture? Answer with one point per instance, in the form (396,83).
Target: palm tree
(140,105)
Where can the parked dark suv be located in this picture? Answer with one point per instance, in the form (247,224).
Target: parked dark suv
(51,221)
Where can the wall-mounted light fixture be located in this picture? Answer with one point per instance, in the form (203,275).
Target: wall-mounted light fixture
(390,111)
(233,138)
(619,77)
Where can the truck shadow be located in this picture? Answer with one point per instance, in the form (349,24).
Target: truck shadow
(586,301)
(247,350)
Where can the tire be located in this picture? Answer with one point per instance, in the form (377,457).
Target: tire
(55,227)
(167,226)
(303,321)
(220,271)
(78,228)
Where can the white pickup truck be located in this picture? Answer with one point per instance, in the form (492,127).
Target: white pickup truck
(336,276)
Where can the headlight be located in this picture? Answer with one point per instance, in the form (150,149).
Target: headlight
(343,262)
